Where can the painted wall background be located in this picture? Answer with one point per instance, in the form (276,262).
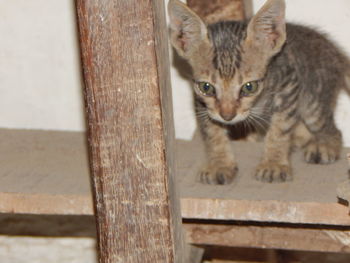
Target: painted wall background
(40,83)
(40,78)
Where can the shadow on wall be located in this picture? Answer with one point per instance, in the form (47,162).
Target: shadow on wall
(182,67)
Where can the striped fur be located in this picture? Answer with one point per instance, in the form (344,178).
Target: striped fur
(299,71)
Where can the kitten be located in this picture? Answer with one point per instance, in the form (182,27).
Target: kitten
(263,70)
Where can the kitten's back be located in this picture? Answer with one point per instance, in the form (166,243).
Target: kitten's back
(314,49)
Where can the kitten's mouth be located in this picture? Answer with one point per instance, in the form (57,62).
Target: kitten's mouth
(238,118)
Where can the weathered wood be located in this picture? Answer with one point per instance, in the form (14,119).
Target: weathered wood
(217,10)
(274,237)
(310,199)
(128,102)
(46,204)
(53,179)
(219,254)
(265,211)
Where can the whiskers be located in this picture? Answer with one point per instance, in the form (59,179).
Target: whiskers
(259,119)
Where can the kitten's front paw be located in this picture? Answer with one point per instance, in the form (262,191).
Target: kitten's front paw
(269,172)
(321,153)
(218,175)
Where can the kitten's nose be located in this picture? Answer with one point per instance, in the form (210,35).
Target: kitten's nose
(227,108)
(227,115)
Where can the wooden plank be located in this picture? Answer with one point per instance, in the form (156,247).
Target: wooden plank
(265,211)
(311,184)
(311,198)
(126,70)
(46,204)
(219,254)
(272,237)
(47,163)
(255,255)
(212,11)
(56,169)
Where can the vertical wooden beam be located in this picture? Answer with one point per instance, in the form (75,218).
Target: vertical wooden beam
(217,10)
(130,130)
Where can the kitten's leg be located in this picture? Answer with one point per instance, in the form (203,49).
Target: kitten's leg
(220,167)
(275,164)
(325,143)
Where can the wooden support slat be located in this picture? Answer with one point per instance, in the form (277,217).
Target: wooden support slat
(128,102)
(217,10)
(265,211)
(274,237)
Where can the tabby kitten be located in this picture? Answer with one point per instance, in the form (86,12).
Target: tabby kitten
(258,71)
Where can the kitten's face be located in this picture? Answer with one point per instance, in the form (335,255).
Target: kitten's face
(229,59)
(227,81)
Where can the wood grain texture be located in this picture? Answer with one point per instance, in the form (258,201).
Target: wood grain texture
(54,179)
(212,11)
(302,238)
(46,204)
(265,211)
(126,72)
(311,198)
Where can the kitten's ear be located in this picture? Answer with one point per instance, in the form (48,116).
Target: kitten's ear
(267,29)
(187,29)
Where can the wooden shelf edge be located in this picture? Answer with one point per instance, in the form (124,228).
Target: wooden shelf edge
(271,237)
(45,204)
(266,211)
(191,208)
(54,179)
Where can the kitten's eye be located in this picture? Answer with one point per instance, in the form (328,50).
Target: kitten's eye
(206,88)
(249,88)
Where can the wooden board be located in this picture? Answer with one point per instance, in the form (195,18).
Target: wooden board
(254,255)
(311,198)
(124,50)
(44,172)
(287,237)
(42,165)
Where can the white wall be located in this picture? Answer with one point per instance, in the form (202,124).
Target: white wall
(40,83)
